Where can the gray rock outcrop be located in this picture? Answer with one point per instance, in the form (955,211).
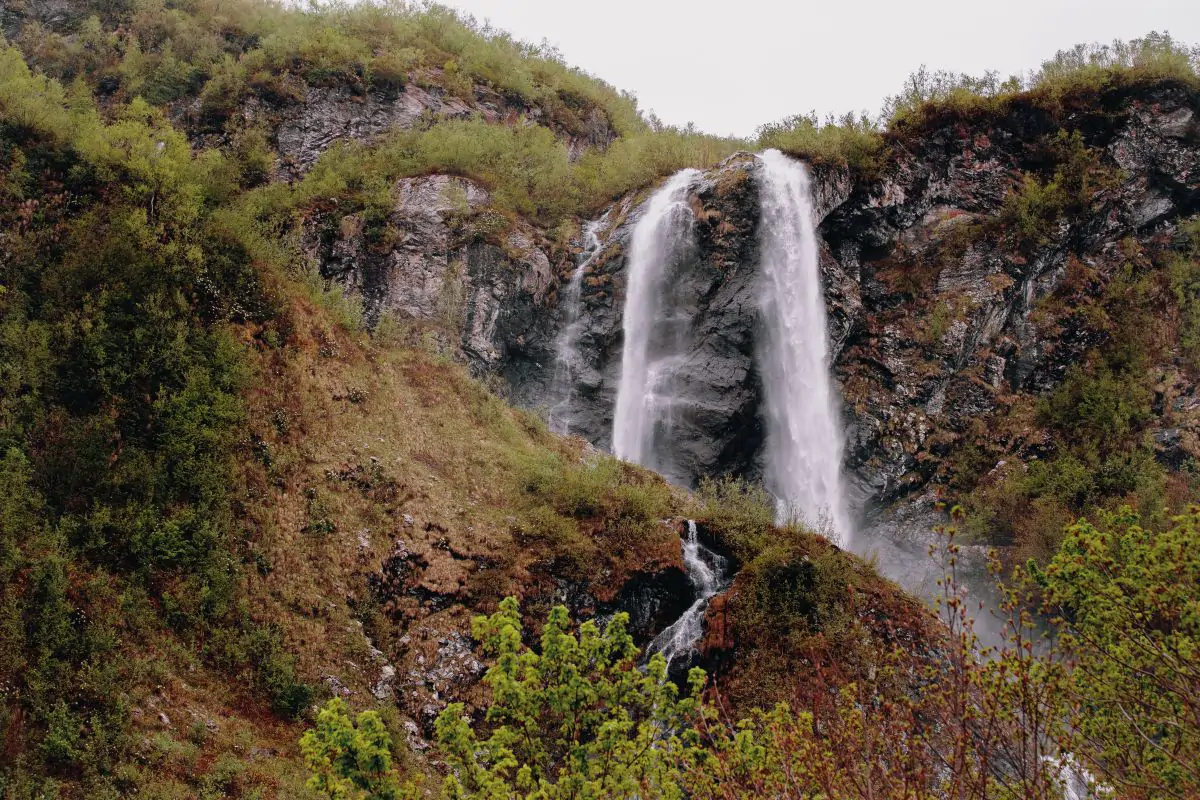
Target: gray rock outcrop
(430,263)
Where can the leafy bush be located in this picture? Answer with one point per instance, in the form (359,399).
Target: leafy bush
(851,140)
(740,515)
(1130,595)
(1035,209)
(351,758)
(1098,405)
(930,88)
(122,413)
(1184,274)
(1082,70)
(575,719)
(31,105)
(1155,55)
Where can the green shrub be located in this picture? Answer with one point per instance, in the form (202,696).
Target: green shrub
(1130,594)
(1098,405)
(574,716)
(389,70)
(1183,270)
(158,77)
(259,649)
(122,412)
(1083,70)
(351,757)
(31,105)
(927,89)
(1035,209)
(526,168)
(1155,55)
(853,141)
(740,515)
(638,160)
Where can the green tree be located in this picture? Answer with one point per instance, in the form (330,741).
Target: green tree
(1131,601)
(576,719)
(350,758)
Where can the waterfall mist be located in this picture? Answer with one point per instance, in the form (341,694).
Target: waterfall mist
(804,431)
(655,333)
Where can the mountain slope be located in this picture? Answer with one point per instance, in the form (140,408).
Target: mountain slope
(266,273)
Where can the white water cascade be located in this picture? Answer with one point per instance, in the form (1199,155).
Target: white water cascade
(567,356)
(707,573)
(804,434)
(654,336)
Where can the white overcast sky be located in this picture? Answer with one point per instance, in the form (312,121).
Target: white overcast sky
(731,65)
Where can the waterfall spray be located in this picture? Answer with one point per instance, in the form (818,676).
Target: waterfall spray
(804,432)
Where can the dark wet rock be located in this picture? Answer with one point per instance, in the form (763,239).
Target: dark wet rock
(58,16)
(717,425)
(652,600)
(653,592)
(1169,447)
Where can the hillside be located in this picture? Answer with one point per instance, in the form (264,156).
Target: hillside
(283,297)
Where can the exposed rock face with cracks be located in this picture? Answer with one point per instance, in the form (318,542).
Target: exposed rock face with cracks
(930,310)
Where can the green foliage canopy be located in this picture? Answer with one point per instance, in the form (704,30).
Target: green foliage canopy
(577,719)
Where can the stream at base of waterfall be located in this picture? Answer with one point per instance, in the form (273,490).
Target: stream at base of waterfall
(708,573)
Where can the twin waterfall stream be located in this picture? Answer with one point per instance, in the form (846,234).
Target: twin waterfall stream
(804,434)
(655,333)
(804,430)
(803,448)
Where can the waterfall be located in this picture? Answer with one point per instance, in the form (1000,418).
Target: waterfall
(567,355)
(804,432)
(654,338)
(707,573)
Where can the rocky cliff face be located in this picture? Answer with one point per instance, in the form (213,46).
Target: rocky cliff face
(931,307)
(447,263)
(943,301)
(306,128)
(932,297)
(307,120)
